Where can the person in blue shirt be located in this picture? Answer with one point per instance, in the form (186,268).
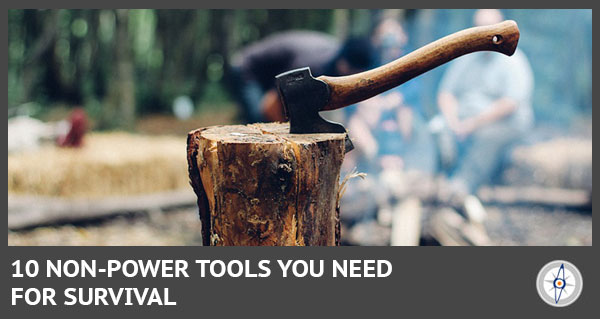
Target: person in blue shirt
(485,100)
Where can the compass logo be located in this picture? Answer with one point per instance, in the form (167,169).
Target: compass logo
(559,283)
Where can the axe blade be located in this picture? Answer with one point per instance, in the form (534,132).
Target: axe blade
(303,97)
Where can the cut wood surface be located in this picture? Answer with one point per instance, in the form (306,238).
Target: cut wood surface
(260,185)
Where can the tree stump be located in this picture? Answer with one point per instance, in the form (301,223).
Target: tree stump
(260,185)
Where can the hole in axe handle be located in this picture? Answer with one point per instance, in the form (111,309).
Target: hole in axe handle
(497,39)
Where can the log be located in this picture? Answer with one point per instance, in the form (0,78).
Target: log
(28,211)
(259,185)
(406,223)
(535,195)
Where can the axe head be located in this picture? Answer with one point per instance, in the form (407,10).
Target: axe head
(303,97)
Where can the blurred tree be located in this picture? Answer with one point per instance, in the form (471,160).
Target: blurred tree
(41,35)
(120,102)
(119,64)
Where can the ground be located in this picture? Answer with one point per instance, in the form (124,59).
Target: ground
(506,226)
(539,227)
(173,228)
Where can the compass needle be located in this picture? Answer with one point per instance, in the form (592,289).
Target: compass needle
(559,283)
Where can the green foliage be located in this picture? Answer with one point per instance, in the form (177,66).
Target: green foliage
(76,57)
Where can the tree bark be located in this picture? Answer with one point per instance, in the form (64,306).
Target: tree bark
(259,185)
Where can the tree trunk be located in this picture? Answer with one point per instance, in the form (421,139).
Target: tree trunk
(120,102)
(259,185)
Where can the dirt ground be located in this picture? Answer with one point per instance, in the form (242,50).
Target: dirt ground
(519,226)
(173,228)
(539,226)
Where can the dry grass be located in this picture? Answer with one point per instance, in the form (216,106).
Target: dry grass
(108,164)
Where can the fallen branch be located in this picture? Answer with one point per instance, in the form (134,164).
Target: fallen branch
(27,211)
(533,195)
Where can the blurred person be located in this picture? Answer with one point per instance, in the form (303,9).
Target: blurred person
(391,131)
(390,135)
(76,127)
(485,100)
(253,70)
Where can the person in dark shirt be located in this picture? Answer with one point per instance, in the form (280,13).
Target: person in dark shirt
(254,68)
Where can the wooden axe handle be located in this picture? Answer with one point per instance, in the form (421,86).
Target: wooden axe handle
(347,90)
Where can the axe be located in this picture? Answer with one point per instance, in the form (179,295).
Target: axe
(304,96)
